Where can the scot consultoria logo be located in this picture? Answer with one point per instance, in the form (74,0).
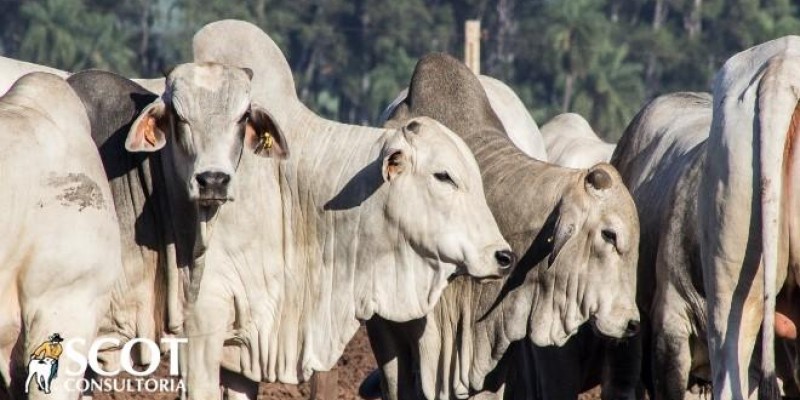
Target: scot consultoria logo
(43,363)
(43,366)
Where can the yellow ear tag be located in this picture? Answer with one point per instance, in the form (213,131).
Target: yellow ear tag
(266,143)
(268,140)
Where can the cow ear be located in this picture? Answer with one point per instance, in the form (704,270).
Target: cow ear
(394,163)
(263,135)
(396,156)
(413,126)
(148,132)
(598,179)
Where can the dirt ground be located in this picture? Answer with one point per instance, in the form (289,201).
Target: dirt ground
(356,363)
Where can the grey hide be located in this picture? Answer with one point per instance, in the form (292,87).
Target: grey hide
(510,110)
(577,231)
(661,158)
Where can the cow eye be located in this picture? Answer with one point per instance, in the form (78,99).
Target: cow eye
(445,177)
(609,237)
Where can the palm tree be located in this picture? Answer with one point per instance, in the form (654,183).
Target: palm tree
(574,27)
(612,91)
(64,34)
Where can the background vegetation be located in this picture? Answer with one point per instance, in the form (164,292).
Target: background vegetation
(599,58)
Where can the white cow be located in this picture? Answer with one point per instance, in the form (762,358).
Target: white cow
(39,372)
(749,195)
(11,70)
(572,143)
(378,221)
(357,222)
(661,158)
(60,253)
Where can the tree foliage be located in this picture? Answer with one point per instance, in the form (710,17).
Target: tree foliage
(599,58)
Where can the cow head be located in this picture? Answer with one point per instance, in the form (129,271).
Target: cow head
(208,120)
(436,199)
(591,267)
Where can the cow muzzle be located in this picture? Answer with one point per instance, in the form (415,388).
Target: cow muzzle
(212,187)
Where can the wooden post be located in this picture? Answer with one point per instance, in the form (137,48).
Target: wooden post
(325,385)
(472,45)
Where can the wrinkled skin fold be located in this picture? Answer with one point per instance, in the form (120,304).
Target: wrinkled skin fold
(554,217)
(357,222)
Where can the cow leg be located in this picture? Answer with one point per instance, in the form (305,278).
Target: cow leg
(736,320)
(75,321)
(206,328)
(622,368)
(672,358)
(9,331)
(559,370)
(46,384)
(370,387)
(237,387)
(671,366)
(397,381)
(28,382)
(325,385)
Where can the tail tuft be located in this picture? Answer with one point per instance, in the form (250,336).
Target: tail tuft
(769,389)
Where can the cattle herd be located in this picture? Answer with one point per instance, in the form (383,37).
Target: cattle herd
(488,258)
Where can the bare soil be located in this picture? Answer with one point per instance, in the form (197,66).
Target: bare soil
(356,363)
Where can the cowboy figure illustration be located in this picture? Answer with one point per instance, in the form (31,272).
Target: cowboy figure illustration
(43,364)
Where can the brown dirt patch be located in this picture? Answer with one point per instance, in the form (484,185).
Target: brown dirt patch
(356,363)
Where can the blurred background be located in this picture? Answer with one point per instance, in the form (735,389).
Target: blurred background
(599,58)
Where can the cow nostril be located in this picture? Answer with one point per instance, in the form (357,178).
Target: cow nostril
(632,329)
(505,258)
(211,179)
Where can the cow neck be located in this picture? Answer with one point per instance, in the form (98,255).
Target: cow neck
(328,159)
(523,195)
(192,227)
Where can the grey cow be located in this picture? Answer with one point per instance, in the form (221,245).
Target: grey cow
(661,158)
(579,235)
(731,229)
(704,176)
